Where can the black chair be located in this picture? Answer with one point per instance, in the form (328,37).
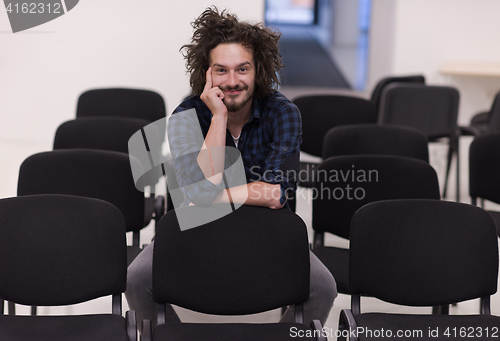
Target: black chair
(372,139)
(431,109)
(484,171)
(376,95)
(89,173)
(319,114)
(132,103)
(252,260)
(422,253)
(112,134)
(486,122)
(62,250)
(346,183)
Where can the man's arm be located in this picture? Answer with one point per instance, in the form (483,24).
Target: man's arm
(256,193)
(212,155)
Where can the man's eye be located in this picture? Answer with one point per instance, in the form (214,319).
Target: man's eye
(220,70)
(243,69)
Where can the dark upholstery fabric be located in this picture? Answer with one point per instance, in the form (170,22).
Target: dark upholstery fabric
(91,173)
(323,112)
(496,218)
(484,167)
(232,332)
(49,254)
(375,139)
(377,91)
(418,327)
(337,261)
(63,328)
(252,260)
(431,109)
(438,252)
(306,175)
(106,133)
(132,103)
(370,178)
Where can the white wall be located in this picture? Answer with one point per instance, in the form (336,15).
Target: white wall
(423,34)
(97,44)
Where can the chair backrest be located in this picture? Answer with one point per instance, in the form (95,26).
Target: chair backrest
(484,168)
(372,139)
(322,112)
(431,109)
(494,115)
(346,183)
(105,133)
(59,249)
(377,91)
(131,103)
(251,260)
(90,173)
(423,252)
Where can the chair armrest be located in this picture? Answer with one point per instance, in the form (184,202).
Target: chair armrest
(147,331)
(470,131)
(131,325)
(316,325)
(347,323)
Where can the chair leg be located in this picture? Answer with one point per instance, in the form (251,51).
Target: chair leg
(448,166)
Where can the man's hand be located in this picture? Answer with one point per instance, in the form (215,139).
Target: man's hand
(213,96)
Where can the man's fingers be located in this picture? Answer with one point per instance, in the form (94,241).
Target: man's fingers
(208,84)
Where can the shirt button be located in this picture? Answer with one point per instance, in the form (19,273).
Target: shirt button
(285,149)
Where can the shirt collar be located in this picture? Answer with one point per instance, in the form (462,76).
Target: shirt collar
(255,111)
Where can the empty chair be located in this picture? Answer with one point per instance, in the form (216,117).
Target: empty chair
(422,253)
(319,114)
(346,183)
(112,134)
(379,87)
(61,250)
(372,139)
(252,260)
(89,173)
(484,171)
(132,103)
(105,133)
(486,122)
(431,109)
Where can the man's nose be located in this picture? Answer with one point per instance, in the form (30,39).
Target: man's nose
(232,79)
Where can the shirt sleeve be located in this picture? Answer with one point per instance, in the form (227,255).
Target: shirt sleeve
(282,164)
(185,138)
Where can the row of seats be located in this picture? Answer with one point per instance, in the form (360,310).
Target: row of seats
(402,101)
(253,285)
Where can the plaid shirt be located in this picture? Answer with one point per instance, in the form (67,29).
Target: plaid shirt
(269,146)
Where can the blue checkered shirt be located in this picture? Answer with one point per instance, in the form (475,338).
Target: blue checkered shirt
(269,146)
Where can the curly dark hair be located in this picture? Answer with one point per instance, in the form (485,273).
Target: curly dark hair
(212,29)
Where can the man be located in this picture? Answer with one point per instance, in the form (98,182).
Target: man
(233,67)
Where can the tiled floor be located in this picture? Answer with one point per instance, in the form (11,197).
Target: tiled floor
(13,152)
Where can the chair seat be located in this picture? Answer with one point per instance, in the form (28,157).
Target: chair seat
(337,261)
(496,218)
(306,174)
(447,326)
(63,328)
(232,332)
